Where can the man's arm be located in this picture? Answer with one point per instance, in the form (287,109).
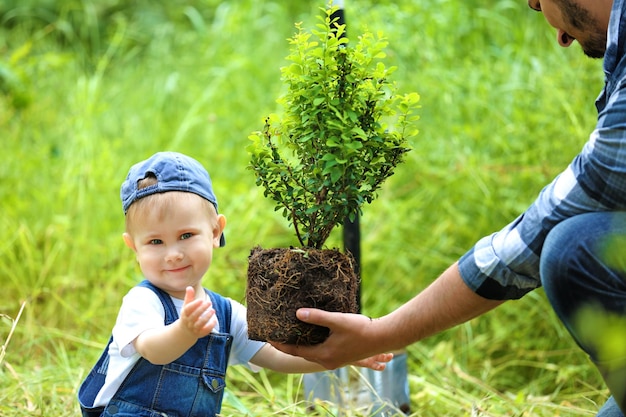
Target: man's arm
(448,301)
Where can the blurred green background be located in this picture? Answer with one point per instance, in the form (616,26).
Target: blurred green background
(88,87)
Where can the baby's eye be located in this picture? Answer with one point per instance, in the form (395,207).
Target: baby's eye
(155,241)
(185,236)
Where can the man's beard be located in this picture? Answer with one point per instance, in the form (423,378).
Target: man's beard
(595,46)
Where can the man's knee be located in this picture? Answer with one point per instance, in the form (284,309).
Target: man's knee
(565,253)
(585,254)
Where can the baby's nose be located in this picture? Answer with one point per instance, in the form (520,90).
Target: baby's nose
(174,254)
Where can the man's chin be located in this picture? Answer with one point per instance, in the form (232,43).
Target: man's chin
(595,47)
(594,54)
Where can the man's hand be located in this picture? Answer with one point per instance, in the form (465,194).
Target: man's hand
(347,343)
(197,316)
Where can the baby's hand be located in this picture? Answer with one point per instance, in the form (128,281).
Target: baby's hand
(197,316)
(376,362)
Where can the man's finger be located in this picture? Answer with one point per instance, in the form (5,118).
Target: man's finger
(314,316)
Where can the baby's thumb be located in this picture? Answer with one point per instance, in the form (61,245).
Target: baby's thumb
(190,295)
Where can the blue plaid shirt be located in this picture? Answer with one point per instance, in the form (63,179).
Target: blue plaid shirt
(505,265)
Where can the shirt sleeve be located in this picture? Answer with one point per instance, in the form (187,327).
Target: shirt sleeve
(243,349)
(505,265)
(141,310)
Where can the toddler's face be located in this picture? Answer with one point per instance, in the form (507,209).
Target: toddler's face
(174,241)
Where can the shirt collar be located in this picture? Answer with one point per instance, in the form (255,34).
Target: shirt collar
(616,37)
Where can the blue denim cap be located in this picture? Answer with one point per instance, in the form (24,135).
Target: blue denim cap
(174,172)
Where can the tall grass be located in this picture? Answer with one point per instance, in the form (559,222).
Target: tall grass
(90,87)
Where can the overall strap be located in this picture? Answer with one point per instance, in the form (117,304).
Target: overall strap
(171,315)
(223,306)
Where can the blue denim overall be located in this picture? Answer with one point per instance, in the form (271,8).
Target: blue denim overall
(193,385)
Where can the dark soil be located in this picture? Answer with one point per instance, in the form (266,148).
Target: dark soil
(281,280)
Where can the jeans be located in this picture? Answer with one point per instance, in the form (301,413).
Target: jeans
(583,272)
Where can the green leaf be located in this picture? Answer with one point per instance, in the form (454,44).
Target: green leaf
(331,148)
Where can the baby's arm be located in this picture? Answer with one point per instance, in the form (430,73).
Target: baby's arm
(166,344)
(271,358)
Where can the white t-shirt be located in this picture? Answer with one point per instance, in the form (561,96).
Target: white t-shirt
(142,310)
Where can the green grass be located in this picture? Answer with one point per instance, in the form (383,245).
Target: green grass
(87,90)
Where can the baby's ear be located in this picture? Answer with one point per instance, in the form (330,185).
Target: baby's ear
(220,225)
(129,241)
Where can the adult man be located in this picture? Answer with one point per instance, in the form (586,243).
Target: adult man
(567,240)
